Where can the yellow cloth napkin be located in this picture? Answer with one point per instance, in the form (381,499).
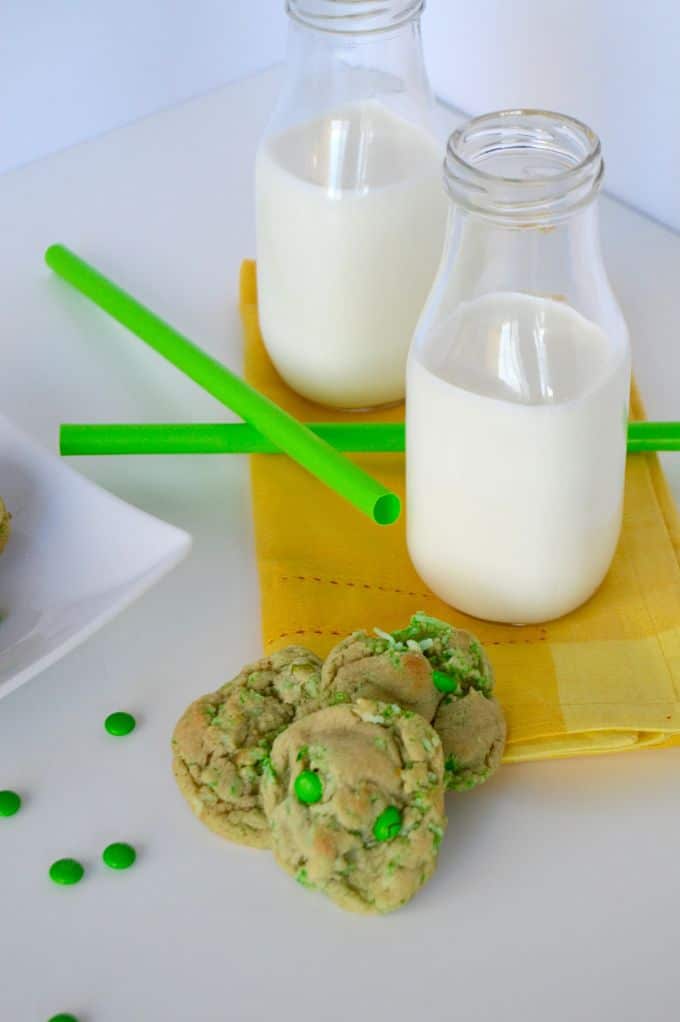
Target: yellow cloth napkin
(605,678)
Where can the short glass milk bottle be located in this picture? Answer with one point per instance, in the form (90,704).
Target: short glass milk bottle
(349,206)
(518,379)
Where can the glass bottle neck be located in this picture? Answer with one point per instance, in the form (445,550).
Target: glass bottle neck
(560,261)
(327,70)
(503,292)
(523,168)
(354,17)
(523,185)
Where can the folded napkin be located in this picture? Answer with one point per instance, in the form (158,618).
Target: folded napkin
(605,678)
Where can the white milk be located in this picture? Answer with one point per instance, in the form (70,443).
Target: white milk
(350,226)
(516,446)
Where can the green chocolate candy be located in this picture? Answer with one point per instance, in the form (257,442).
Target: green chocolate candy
(444,682)
(10,803)
(387,825)
(308,787)
(119,855)
(120,723)
(66,872)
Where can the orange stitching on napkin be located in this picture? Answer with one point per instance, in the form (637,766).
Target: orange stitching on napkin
(514,642)
(305,631)
(353,585)
(387,589)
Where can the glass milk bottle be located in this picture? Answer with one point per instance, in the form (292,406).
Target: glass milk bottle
(349,207)
(518,378)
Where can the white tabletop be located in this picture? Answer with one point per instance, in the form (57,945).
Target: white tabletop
(557,896)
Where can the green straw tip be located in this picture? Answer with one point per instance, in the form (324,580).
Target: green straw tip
(51,251)
(387,509)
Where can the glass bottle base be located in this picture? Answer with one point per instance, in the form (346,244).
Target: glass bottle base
(365,409)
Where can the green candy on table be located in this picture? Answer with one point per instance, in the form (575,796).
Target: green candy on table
(66,872)
(63,1018)
(119,855)
(10,803)
(120,724)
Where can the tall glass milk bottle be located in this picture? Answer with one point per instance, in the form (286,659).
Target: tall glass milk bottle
(518,379)
(349,207)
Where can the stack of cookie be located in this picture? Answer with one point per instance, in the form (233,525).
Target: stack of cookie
(341,767)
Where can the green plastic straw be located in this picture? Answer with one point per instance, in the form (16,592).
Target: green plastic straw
(653,436)
(284,431)
(210,438)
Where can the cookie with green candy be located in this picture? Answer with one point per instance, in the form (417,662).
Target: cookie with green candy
(472,731)
(413,666)
(469,720)
(355,803)
(457,658)
(365,666)
(5,519)
(222,743)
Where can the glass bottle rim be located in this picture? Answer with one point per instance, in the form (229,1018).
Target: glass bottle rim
(560,161)
(354,17)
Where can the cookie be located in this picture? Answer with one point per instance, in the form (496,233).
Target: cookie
(472,731)
(222,742)
(372,667)
(413,666)
(355,803)
(5,519)
(457,658)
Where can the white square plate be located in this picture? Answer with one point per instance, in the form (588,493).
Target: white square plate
(76,557)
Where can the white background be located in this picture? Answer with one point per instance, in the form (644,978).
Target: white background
(71,69)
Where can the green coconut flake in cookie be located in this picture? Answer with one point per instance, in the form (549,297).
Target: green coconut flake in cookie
(457,658)
(374,667)
(437,834)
